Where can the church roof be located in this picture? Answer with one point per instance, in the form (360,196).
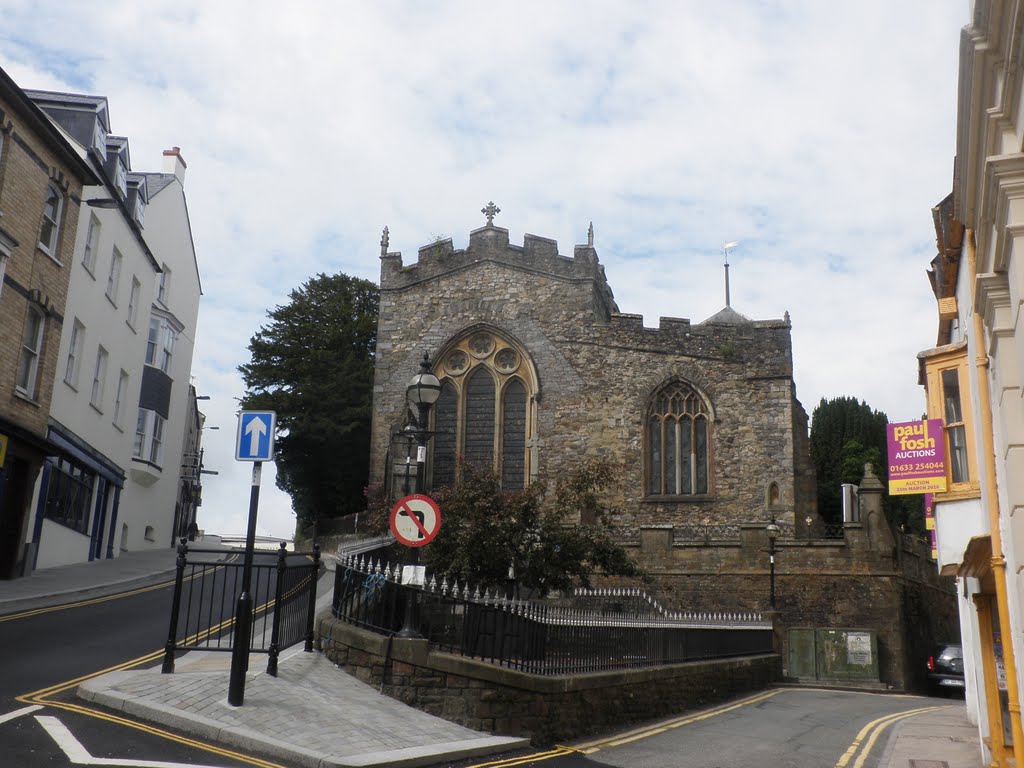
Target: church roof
(727,316)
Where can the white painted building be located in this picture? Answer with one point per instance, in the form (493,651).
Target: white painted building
(125,350)
(975,375)
(166,403)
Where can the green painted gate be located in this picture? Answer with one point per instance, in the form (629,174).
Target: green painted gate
(833,654)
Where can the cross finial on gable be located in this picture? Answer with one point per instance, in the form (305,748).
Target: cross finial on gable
(384,241)
(490,211)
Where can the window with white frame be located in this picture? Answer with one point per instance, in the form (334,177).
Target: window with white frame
(163,285)
(31,350)
(74,360)
(140,432)
(149,437)
(120,395)
(156,442)
(49,232)
(92,239)
(114,278)
(133,302)
(160,345)
(99,379)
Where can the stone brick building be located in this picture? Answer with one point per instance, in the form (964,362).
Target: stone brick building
(539,369)
(41,181)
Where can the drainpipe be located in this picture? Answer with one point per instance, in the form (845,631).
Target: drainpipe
(992,502)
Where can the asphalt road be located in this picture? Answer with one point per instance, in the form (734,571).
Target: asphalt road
(781,728)
(50,647)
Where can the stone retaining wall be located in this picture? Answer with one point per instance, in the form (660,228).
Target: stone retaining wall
(486,697)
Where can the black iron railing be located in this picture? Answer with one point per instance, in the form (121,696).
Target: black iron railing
(206,589)
(540,637)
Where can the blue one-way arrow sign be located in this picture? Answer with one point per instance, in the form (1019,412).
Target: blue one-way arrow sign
(255,436)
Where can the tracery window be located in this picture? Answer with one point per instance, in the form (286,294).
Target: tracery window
(678,442)
(486,410)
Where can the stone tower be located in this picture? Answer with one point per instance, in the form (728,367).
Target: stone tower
(539,370)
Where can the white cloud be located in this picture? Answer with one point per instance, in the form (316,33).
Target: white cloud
(817,134)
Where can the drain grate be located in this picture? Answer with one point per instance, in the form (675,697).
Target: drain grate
(929,764)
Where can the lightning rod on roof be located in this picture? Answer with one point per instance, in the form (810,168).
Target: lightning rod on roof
(725,251)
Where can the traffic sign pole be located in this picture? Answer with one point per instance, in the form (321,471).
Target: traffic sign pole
(243,611)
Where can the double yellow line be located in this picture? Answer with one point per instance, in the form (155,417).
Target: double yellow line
(624,738)
(65,606)
(864,742)
(43,697)
(868,735)
(667,725)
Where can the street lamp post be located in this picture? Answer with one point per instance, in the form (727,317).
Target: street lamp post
(772,529)
(423,391)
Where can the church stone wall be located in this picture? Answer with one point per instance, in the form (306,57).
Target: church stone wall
(597,369)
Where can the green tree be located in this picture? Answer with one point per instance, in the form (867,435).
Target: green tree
(313,365)
(485,530)
(846,434)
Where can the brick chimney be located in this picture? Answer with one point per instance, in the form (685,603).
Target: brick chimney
(175,163)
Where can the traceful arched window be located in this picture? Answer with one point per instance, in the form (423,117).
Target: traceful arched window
(678,442)
(486,410)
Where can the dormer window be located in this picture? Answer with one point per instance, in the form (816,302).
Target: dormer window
(99,140)
(121,177)
(140,209)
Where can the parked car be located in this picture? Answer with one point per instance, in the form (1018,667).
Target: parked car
(946,670)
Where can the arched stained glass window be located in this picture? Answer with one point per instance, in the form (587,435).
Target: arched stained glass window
(513,435)
(485,414)
(480,411)
(678,443)
(446,419)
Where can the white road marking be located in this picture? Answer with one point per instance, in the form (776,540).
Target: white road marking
(79,755)
(19,712)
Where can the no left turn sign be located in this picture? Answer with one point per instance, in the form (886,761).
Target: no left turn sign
(415,520)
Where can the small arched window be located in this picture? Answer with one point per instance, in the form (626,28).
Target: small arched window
(678,437)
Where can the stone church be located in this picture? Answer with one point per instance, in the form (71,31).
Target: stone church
(540,369)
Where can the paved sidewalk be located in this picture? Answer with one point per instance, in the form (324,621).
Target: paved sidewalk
(312,714)
(940,739)
(63,584)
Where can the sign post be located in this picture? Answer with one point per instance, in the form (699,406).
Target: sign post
(415,521)
(255,443)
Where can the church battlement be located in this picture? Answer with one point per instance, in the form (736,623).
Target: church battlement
(536,254)
(490,243)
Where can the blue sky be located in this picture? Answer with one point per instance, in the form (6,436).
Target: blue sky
(818,135)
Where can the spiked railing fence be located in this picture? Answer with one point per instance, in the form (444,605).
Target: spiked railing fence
(540,637)
(206,588)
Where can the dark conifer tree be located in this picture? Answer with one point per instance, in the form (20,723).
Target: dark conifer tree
(313,365)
